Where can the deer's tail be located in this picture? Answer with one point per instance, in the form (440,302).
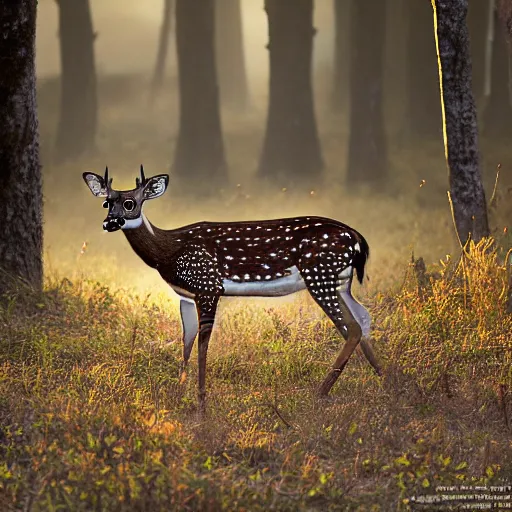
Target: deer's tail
(361,256)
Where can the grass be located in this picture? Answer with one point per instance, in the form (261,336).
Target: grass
(94,417)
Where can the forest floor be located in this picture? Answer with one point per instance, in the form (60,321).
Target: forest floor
(92,411)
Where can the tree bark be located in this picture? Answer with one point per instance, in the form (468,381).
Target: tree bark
(497,114)
(76,131)
(20,173)
(459,119)
(229,52)
(291,148)
(199,158)
(423,115)
(163,49)
(367,158)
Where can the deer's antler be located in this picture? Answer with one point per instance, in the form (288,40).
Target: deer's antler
(142,181)
(107,181)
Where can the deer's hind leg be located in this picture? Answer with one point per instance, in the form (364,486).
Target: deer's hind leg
(331,291)
(361,315)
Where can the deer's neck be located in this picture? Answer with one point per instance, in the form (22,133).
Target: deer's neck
(150,243)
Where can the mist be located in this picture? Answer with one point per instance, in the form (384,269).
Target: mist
(128,37)
(408,215)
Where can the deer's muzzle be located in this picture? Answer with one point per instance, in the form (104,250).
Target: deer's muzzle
(113,224)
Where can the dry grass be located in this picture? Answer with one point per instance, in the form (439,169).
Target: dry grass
(93,414)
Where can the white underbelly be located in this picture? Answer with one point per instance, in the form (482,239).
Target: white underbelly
(276,288)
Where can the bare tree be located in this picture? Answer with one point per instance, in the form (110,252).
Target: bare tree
(20,172)
(76,131)
(459,119)
(199,158)
(367,159)
(163,48)
(230,56)
(291,148)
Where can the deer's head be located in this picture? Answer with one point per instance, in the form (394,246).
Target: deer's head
(125,206)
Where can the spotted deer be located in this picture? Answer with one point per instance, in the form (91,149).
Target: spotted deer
(205,261)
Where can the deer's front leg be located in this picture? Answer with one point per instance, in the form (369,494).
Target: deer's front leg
(190,327)
(206,309)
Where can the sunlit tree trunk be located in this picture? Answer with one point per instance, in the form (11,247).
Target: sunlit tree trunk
(199,160)
(291,148)
(163,48)
(76,131)
(20,173)
(423,112)
(459,119)
(229,45)
(367,158)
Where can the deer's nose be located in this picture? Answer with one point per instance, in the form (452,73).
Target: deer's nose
(113,224)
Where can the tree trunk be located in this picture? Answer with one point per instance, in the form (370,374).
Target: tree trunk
(20,172)
(497,114)
(199,157)
(367,156)
(423,115)
(163,49)
(395,67)
(291,148)
(504,8)
(459,119)
(478,22)
(76,131)
(342,15)
(229,46)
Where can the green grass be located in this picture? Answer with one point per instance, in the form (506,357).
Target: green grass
(94,417)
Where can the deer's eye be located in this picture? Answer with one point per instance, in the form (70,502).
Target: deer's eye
(105,204)
(129,205)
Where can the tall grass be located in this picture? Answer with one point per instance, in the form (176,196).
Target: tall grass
(94,417)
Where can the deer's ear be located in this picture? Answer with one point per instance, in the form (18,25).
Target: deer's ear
(96,184)
(156,186)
